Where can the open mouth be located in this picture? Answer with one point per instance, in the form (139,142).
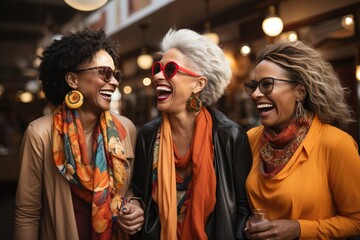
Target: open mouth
(163,92)
(265,107)
(106,94)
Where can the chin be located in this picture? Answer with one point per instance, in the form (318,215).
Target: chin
(104,108)
(162,108)
(266,124)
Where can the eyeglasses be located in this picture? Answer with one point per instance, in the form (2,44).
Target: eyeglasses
(170,69)
(266,85)
(105,71)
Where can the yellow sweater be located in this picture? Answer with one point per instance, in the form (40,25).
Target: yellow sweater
(319,187)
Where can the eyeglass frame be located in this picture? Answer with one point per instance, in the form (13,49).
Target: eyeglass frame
(177,68)
(272,88)
(102,68)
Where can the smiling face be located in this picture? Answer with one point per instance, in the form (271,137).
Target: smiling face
(277,108)
(97,93)
(172,94)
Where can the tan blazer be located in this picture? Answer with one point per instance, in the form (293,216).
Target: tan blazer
(43,207)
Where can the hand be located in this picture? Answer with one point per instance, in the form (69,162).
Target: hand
(273,230)
(131,217)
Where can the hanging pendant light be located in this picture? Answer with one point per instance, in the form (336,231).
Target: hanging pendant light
(86,5)
(358,72)
(214,37)
(272,24)
(144,60)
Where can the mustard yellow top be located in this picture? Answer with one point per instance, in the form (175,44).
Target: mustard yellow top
(319,186)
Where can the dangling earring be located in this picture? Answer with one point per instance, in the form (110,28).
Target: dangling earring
(300,112)
(74,99)
(193,104)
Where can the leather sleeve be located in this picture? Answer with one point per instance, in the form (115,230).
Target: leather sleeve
(141,165)
(243,163)
(142,179)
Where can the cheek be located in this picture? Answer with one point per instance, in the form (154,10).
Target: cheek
(287,107)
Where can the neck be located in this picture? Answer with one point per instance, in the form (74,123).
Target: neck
(88,120)
(182,124)
(182,130)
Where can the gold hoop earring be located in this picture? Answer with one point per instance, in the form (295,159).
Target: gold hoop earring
(74,99)
(193,104)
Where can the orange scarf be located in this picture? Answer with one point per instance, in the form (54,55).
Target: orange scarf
(203,195)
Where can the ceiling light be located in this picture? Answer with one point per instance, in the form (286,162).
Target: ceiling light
(86,5)
(272,24)
(25,97)
(127,89)
(358,72)
(293,37)
(290,36)
(214,37)
(208,33)
(146,81)
(144,60)
(245,50)
(348,22)
(33,86)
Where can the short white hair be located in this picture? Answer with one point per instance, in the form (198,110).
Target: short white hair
(207,57)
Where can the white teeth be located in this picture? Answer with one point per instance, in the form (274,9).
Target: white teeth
(264,105)
(163,88)
(109,93)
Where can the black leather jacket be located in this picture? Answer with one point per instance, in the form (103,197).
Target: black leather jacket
(232,164)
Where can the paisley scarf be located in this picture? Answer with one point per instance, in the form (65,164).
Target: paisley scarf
(276,149)
(201,192)
(97,182)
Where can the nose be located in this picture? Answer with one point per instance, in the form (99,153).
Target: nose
(159,76)
(113,81)
(257,93)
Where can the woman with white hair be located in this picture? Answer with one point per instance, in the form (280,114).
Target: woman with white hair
(192,162)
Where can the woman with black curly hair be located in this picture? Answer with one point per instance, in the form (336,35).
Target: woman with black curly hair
(76,163)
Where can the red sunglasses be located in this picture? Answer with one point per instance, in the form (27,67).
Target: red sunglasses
(170,69)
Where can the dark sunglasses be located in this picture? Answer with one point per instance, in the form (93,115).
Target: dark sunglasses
(266,85)
(170,69)
(105,71)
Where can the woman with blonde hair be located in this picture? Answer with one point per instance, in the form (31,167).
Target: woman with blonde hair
(306,171)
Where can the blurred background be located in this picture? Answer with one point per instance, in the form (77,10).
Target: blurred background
(240,27)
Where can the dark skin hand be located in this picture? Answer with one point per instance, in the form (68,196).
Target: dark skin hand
(281,229)
(131,217)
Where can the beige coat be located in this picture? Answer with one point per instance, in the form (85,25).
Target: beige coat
(44,208)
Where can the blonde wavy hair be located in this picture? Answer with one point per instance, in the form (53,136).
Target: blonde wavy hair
(325,95)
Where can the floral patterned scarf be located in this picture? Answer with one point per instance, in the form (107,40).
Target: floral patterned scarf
(276,149)
(99,181)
